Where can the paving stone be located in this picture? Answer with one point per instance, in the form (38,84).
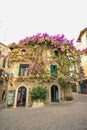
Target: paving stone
(71,115)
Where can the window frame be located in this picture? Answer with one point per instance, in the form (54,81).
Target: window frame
(23,67)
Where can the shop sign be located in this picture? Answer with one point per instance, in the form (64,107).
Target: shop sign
(11,74)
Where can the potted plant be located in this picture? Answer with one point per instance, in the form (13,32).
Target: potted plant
(38,95)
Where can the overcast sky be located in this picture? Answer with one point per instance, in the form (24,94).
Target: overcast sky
(21,18)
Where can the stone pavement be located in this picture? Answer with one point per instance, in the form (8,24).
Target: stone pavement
(71,115)
(2,104)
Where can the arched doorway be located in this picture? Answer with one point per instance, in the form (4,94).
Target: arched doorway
(21,96)
(54,94)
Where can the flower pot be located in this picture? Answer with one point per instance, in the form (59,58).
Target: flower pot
(37,103)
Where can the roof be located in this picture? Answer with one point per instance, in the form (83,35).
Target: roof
(81,33)
(12,45)
(3,44)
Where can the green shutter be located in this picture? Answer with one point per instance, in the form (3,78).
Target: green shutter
(53,69)
(56,53)
(4,63)
(0,52)
(19,73)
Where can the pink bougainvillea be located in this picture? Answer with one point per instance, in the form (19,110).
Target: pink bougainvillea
(56,40)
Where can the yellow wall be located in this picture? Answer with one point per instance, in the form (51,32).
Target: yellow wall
(3,85)
(82,45)
(84,64)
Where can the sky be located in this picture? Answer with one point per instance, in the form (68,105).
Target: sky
(22,18)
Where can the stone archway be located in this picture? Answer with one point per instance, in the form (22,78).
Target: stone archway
(54,93)
(21,96)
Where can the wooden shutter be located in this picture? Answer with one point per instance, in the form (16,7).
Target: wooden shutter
(19,73)
(53,69)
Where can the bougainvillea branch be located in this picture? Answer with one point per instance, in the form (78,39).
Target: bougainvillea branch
(67,54)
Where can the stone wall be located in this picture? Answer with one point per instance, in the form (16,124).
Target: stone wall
(4,50)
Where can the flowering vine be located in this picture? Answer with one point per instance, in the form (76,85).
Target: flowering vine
(67,53)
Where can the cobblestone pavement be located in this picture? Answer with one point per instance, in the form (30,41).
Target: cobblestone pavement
(71,115)
(2,104)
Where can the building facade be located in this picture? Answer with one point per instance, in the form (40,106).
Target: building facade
(21,81)
(4,50)
(82,45)
(38,61)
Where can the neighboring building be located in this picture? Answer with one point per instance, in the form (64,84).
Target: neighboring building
(27,69)
(4,50)
(82,45)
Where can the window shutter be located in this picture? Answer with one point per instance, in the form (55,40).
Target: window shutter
(19,73)
(53,69)
(0,52)
(0,72)
(4,63)
(22,69)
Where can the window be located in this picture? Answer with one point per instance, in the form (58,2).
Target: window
(4,63)
(81,71)
(79,59)
(0,52)
(8,63)
(0,72)
(23,70)
(23,52)
(86,37)
(53,69)
(56,53)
